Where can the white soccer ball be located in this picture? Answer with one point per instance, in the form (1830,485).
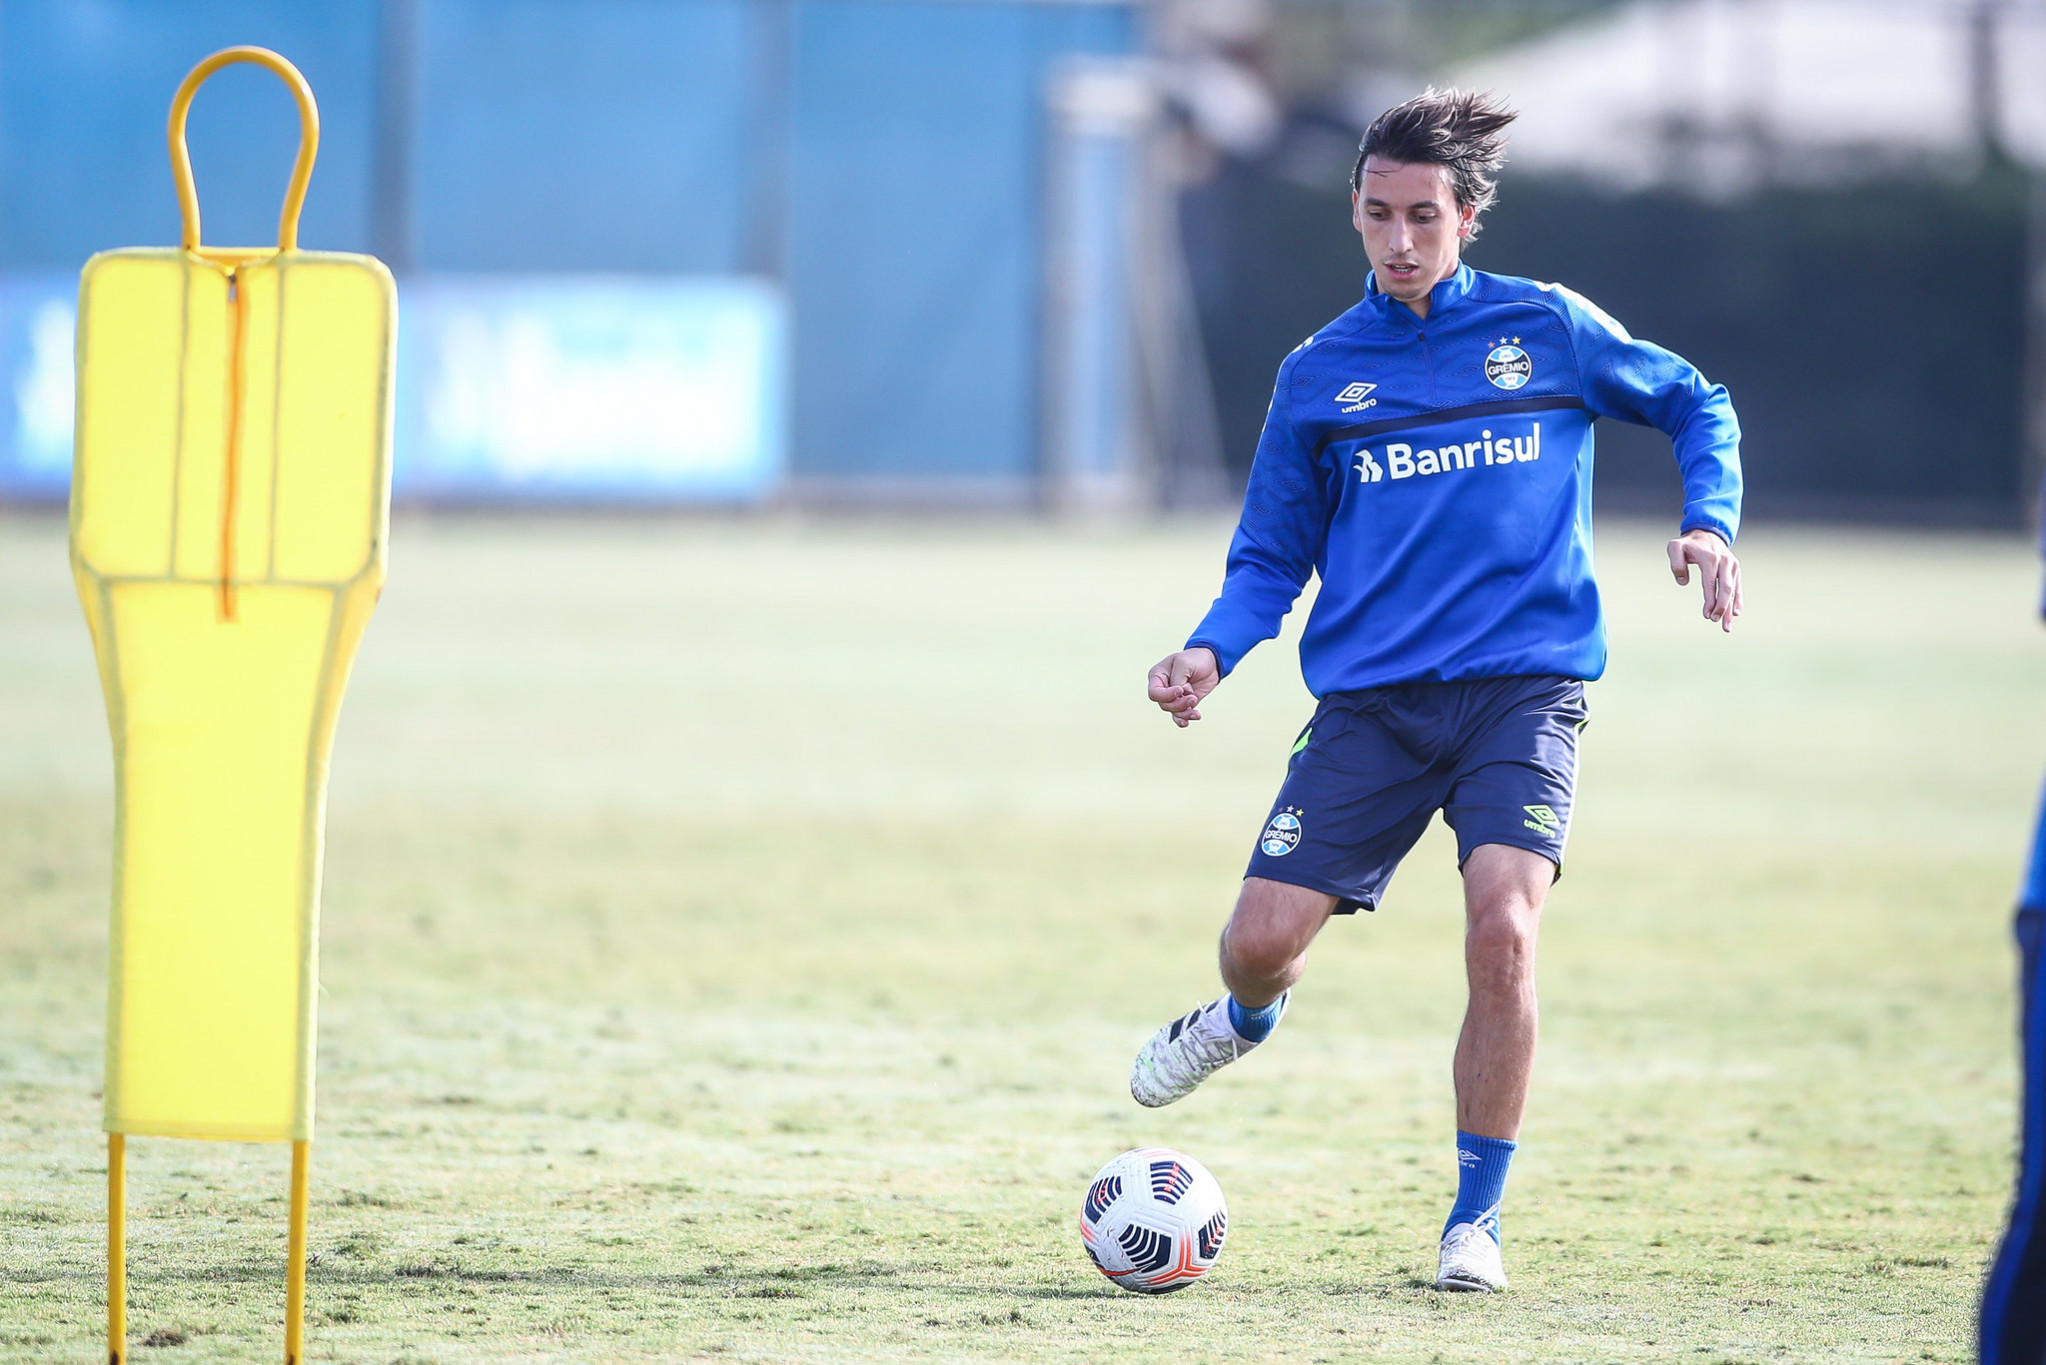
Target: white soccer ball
(1154,1220)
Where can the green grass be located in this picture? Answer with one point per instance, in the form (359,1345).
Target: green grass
(736,935)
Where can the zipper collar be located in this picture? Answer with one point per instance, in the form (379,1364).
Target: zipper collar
(1445,295)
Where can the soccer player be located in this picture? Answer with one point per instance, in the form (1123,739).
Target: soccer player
(1428,455)
(2012,1329)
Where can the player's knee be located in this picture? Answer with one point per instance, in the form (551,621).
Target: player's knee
(1500,950)
(1258,950)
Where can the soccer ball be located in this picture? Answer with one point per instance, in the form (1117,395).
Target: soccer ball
(1154,1220)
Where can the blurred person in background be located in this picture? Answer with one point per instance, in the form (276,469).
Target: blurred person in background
(2013,1319)
(1428,454)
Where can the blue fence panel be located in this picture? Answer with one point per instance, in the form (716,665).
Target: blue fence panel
(85,90)
(885,156)
(599,135)
(915,192)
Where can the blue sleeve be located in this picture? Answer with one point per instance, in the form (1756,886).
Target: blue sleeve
(2033,896)
(1640,382)
(1278,540)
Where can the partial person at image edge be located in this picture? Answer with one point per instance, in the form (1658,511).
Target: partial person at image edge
(2012,1325)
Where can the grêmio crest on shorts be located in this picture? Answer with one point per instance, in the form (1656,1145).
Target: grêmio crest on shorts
(1436,474)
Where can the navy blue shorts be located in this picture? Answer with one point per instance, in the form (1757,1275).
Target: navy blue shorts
(1497,756)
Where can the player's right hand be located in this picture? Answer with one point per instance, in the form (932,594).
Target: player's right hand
(1179,681)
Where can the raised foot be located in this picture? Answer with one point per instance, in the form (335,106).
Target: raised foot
(1186,1052)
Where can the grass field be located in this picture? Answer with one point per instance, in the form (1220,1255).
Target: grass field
(736,935)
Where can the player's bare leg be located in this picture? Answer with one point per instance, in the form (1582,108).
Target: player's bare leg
(1263,952)
(1264,946)
(1504,890)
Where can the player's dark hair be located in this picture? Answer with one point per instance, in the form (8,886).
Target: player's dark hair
(1460,129)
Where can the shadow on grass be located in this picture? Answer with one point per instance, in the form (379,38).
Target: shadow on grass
(714,1280)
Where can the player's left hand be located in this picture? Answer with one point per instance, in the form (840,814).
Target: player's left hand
(1718,571)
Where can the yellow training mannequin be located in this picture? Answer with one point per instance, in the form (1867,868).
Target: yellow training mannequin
(230,503)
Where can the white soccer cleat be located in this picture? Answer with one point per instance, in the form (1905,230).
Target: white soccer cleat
(1471,1261)
(1186,1052)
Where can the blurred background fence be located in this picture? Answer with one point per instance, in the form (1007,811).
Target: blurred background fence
(1048,253)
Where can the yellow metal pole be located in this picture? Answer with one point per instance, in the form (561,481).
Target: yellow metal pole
(117,1248)
(294,1283)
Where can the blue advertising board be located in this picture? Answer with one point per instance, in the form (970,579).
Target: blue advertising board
(583,387)
(38,325)
(590,387)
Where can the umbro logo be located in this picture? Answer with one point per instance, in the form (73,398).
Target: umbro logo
(1357,396)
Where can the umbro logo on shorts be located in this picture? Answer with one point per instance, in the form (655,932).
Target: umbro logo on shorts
(1543,820)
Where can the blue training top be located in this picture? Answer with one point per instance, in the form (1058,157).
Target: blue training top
(1437,475)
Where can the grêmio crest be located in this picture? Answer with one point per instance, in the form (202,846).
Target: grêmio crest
(1508,367)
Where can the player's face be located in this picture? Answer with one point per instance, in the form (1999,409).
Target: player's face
(1412,226)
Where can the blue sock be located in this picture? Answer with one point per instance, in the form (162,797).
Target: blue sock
(1481,1164)
(1254,1026)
